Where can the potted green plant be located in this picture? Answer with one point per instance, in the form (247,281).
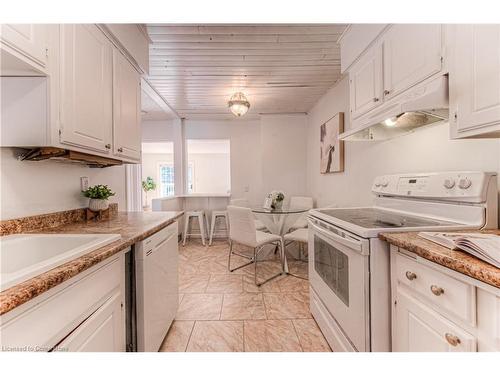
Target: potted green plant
(148,185)
(98,195)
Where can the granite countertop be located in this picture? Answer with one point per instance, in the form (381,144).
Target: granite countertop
(132,226)
(456,260)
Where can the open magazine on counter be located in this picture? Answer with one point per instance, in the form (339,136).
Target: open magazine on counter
(483,246)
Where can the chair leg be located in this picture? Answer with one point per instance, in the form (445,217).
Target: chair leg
(230,253)
(186,227)
(270,278)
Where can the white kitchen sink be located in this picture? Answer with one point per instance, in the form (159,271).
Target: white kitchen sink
(23,256)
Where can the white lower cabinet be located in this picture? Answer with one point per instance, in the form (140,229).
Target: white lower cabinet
(100,332)
(420,329)
(435,309)
(85,313)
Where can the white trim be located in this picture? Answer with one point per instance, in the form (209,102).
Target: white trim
(133,187)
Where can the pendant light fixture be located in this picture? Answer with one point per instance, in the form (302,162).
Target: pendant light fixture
(238,104)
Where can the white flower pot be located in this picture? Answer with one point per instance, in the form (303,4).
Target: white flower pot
(98,204)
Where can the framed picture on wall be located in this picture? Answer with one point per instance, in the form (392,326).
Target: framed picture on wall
(331,147)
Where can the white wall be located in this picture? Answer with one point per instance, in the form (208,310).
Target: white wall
(33,188)
(266,155)
(246,162)
(171,131)
(426,150)
(284,150)
(211,172)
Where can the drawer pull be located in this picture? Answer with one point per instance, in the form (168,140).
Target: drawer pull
(436,290)
(410,275)
(452,339)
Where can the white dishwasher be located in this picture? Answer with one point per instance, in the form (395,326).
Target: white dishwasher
(157,287)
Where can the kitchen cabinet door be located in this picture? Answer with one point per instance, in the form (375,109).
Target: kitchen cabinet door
(86,108)
(365,82)
(100,332)
(475,81)
(126,109)
(29,40)
(412,53)
(417,328)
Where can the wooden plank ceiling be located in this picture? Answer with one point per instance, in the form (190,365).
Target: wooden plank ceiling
(281,68)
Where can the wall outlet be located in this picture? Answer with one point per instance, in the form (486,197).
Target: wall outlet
(84,183)
(246,189)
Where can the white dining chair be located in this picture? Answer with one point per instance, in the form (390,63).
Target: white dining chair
(301,236)
(242,231)
(301,202)
(242,202)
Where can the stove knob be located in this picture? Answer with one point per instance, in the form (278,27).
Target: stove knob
(464,183)
(384,183)
(449,183)
(377,184)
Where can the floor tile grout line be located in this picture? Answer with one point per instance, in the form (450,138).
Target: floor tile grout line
(297,334)
(190,334)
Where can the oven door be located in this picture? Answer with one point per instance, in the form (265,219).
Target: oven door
(339,274)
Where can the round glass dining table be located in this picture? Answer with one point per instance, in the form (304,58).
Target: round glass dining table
(279,222)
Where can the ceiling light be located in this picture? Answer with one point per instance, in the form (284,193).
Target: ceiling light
(238,104)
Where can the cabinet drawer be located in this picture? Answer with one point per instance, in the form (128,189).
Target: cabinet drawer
(44,325)
(154,240)
(453,297)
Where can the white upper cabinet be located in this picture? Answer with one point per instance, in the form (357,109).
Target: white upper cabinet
(402,57)
(86,110)
(23,45)
(411,54)
(475,81)
(126,109)
(365,83)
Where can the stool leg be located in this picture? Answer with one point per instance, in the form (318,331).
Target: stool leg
(212,229)
(202,229)
(207,227)
(186,225)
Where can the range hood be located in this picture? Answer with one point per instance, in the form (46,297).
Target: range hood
(420,106)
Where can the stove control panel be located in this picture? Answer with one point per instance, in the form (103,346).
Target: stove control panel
(456,186)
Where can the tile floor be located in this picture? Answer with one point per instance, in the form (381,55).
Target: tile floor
(221,311)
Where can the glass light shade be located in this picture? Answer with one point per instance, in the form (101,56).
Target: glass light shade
(238,104)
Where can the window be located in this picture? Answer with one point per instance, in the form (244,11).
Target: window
(158,165)
(208,169)
(166,173)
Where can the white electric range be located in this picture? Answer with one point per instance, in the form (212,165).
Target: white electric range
(349,269)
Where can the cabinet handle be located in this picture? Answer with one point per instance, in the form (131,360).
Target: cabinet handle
(436,290)
(410,275)
(387,92)
(120,149)
(452,339)
(108,146)
(376,99)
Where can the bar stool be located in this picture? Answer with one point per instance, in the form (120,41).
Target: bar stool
(202,223)
(215,215)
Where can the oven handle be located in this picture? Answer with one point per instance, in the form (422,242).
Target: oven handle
(352,244)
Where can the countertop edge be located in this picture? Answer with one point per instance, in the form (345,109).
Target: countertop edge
(470,266)
(29,289)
